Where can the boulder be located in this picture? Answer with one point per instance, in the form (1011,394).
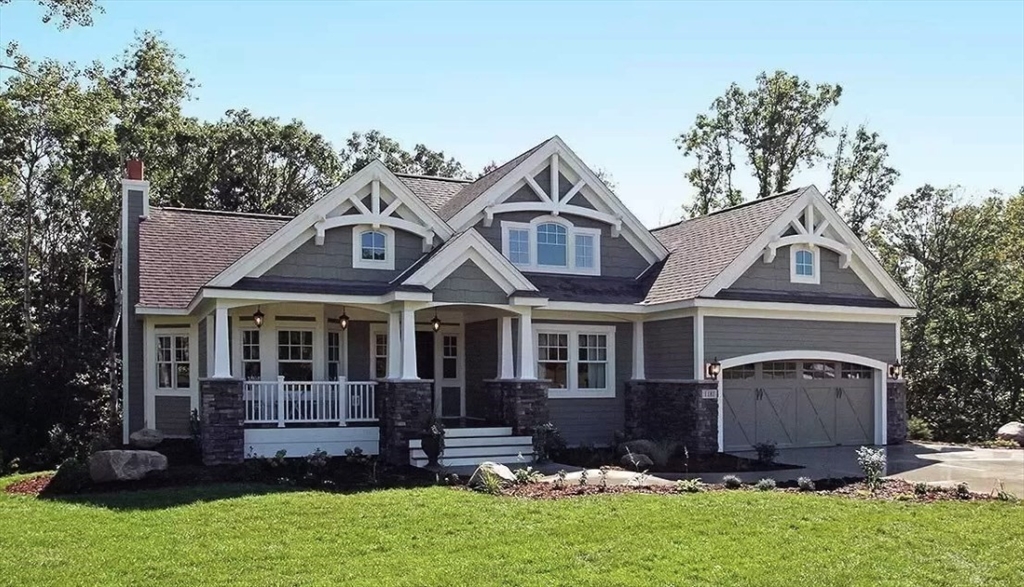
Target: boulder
(489,468)
(146,438)
(124,465)
(641,446)
(1012,431)
(636,462)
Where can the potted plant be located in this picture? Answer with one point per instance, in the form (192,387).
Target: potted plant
(432,441)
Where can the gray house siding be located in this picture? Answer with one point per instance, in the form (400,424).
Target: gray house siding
(136,381)
(593,421)
(618,257)
(469,284)
(173,415)
(734,337)
(333,259)
(668,349)
(482,363)
(201,349)
(775,276)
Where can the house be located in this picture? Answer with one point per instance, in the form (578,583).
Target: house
(529,295)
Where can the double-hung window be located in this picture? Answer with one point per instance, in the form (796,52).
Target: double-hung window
(334,367)
(579,360)
(173,368)
(295,354)
(379,347)
(552,245)
(251,368)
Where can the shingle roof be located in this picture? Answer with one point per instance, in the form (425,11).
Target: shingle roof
(587,289)
(181,250)
(434,191)
(701,248)
(471,191)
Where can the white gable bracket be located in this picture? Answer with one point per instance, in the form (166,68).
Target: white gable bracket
(845,253)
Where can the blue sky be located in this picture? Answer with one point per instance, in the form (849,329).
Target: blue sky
(943,83)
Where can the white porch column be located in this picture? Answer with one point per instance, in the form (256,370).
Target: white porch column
(409,342)
(527,364)
(506,369)
(638,350)
(394,345)
(221,347)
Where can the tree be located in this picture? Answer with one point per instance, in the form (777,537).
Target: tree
(861,179)
(362,148)
(710,143)
(68,12)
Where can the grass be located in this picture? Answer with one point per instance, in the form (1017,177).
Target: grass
(255,535)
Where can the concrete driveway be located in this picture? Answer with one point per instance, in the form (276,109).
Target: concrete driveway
(982,468)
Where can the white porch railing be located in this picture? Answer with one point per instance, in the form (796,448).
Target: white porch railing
(309,402)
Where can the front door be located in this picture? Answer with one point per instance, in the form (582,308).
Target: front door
(449,371)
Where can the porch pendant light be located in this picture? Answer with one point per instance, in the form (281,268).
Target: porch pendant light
(343,319)
(714,368)
(436,322)
(257,318)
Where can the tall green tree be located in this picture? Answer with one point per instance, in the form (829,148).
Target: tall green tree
(363,147)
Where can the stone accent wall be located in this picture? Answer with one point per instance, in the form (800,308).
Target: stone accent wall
(521,404)
(222,413)
(671,410)
(403,410)
(896,411)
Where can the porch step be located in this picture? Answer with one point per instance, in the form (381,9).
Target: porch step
(472,446)
(479,441)
(450,433)
(473,461)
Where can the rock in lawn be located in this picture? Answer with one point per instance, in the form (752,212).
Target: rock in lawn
(146,438)
(1012,431)
(636,462)
(487,467)
(124,465)
(643,447)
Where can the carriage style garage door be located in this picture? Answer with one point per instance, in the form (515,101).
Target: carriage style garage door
(798,404)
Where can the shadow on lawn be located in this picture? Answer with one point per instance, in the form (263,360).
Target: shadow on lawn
(169,497)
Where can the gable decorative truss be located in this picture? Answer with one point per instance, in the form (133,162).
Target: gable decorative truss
(561,161)
(469,246)
(814,223)
(343,206)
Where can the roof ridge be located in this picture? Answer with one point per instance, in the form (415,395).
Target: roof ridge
(788,192)
(224,213)
(436,177)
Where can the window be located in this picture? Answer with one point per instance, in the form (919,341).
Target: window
(173,370)
(741,372)
(333,355)
(295,354)
(819,371)
(373,248)
(778,370)
(851,371)
(804,262)
(450,356)
(251,355)
(380,355)
(579,360)
(552,245)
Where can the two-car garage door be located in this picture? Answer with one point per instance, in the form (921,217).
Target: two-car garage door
(798,404)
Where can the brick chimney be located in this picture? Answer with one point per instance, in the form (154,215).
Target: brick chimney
(134,169)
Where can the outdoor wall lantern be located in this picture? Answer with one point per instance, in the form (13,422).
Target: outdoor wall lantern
(895,370)
(257,318)
(714,368)
(343,319)
(436,322)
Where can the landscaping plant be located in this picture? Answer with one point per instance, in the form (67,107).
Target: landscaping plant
(689,486)
(732,482)
(766,484)
(872,463)
(805,484)
(766,452)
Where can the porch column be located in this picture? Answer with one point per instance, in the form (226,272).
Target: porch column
(394,345)
(221,352)
(638,350)
(527,364)
(409,342)
(506,369)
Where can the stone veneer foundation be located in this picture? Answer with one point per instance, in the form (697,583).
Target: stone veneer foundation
(673,410)
(896,411)
(222,417)
(403,410)
(519,403)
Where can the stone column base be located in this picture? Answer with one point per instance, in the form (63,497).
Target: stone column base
(519,403)
(676,411)
(404,408)
(896,411)
(222,417)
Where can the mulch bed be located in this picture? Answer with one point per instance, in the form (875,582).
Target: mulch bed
(891,490)
(595,458)
(31,486)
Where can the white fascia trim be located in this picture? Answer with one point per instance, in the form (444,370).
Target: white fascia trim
(650,247)
(358,262)
(572,231)
(815,276)
(596,308)
(154,311)
(533,302)
(470,245)
(318,212)
(234,298)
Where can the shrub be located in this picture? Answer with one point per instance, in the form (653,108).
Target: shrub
(369,464)
(805,484)
(8,467)
(560,479)
(1003,495)
(766,452)
(689,486)
(602,478)
(490,483)
(732,482)
(527,475)
(662,452)
(921,488)
(872,464)
(547,441)
(72,476)
(1001,443)
(918,429)
(963,491)
(766,484)
(583,478)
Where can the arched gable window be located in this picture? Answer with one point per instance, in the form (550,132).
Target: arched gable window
(373,248)
(804,265)
(552,245)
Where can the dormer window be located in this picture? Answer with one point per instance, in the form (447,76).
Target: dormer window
(804,265)
(373,248)
(552,245)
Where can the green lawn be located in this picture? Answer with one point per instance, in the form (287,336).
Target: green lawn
(248,535)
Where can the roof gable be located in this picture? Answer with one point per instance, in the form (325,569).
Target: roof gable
(471,192)
(469,246)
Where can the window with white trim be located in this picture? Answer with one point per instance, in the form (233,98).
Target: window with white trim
(552,245)
(373,248)
(380,355)
(173,368)
(818,370)
(579,360)
(251,369)
(804,264)
(295,354)
(333,354)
